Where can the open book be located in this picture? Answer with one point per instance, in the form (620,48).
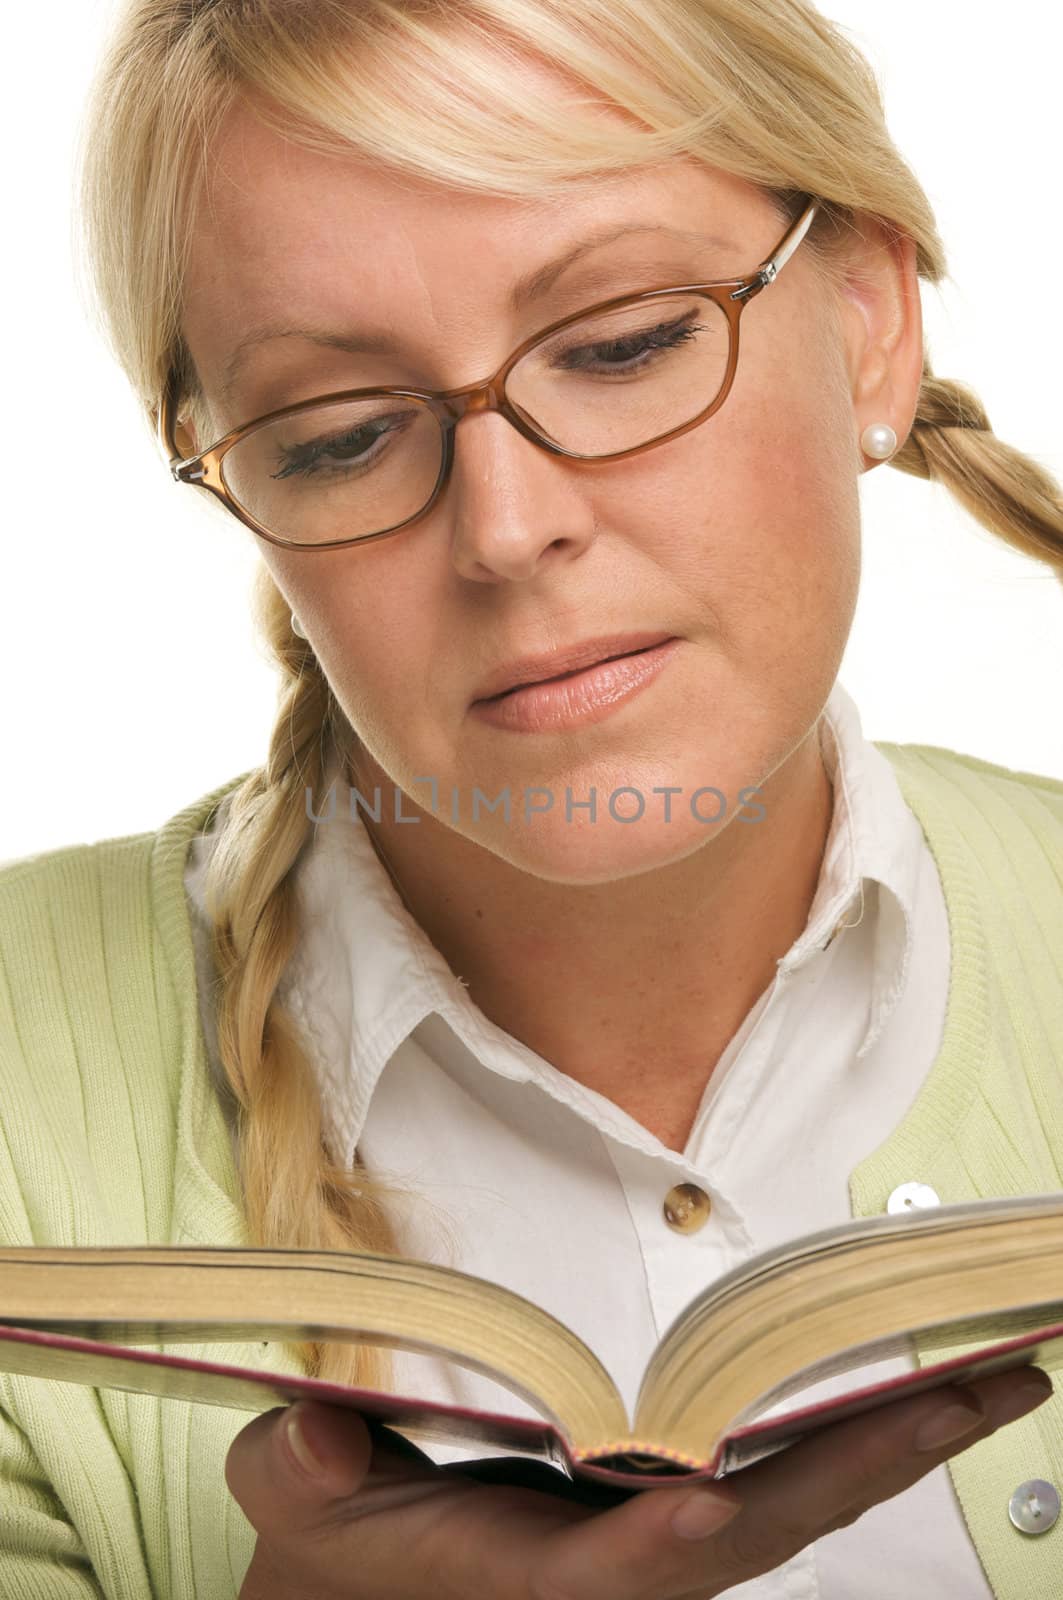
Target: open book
(980,1285)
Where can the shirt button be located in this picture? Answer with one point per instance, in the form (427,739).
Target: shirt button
(686,1208)
(912,1197)
(1034,1507)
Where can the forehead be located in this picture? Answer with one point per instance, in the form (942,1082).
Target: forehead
(277,216)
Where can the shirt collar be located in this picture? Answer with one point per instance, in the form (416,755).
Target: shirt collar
(874,840)
(365,973)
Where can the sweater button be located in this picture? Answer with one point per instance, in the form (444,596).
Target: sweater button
(1034,1507)
(686,1208)
(912,1197)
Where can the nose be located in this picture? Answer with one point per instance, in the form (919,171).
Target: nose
(513,504)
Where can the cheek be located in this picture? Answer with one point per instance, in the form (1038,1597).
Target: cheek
(800,572)
(761,525)
(792,471)
(371,617)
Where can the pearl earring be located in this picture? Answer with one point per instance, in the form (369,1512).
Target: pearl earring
(878,441)
(297,626)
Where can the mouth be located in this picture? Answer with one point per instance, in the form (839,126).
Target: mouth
(576,672)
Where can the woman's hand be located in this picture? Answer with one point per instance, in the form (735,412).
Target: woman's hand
(378,1526)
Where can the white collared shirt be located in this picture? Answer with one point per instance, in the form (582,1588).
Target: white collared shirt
(527,1178)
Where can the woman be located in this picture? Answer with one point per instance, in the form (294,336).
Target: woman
(728,974)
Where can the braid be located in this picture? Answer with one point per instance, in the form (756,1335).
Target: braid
(295,1195)
(952,442)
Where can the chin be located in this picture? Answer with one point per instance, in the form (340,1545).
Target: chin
(585,852)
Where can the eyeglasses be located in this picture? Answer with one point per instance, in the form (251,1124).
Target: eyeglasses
(610,381)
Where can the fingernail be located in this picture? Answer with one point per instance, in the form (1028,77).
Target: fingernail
(944,1426)
(702,1513)
(300,1446)
(1027,1397)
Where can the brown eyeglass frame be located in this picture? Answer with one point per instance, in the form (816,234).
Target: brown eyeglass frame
(450,405)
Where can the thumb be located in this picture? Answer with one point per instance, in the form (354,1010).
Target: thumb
(288,1464)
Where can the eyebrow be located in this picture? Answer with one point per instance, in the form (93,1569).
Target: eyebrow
(528,288)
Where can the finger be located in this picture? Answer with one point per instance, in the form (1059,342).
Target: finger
(834,1477)
(1004,1397)
(786,1502)
(276,1483)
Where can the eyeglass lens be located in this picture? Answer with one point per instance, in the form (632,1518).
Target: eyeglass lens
(605,384)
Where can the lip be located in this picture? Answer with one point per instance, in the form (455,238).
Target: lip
(557,663)
(579,698)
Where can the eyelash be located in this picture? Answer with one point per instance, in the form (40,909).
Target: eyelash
(302,460)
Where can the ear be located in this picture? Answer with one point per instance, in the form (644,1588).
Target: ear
(882,317)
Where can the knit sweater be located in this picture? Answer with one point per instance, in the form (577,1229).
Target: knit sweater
(114,1135)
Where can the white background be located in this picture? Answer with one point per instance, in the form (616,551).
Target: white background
(132,681)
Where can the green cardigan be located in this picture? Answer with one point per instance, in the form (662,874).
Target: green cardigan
(112,1134)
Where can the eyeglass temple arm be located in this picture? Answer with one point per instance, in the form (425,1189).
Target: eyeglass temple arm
(769,270)
(163,419)
(182,468)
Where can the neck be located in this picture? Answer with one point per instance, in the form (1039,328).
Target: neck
(634,987)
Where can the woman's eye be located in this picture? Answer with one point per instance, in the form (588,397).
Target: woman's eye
(633,353)
(349,449)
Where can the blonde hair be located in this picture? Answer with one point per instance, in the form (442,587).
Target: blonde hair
(766,90)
